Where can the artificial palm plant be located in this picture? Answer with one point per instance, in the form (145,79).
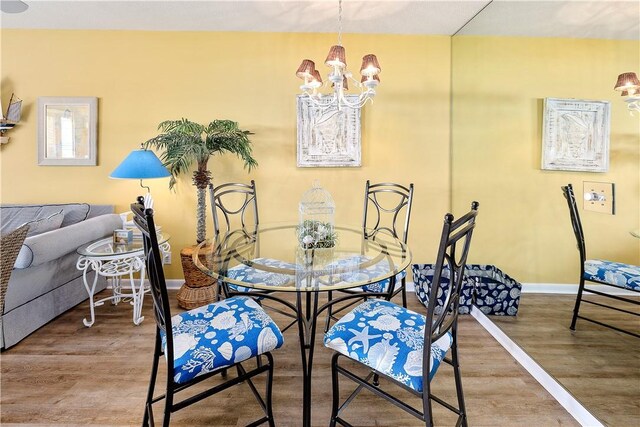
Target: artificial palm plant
(185,143)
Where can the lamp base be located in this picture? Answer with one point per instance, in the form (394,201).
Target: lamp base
(198,289)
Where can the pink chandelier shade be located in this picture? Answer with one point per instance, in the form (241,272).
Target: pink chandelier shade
(627,81)
(336,57)
(370,65)
(306,69)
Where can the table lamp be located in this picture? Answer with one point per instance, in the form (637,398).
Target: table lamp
(140,164)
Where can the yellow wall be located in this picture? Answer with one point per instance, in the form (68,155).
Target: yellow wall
(142,78)
(498,86)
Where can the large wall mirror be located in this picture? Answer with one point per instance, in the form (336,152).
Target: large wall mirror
(505,63)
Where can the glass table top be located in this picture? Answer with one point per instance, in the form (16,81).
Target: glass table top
(106,248)
(272,258)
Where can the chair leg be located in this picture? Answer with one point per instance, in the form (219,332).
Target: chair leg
(458,377)
(146,421)
(336,390)
(576,308)
(403,283)
(269,396)
(168,401)
(426,403)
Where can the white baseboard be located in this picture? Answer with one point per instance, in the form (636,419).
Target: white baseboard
(564,398)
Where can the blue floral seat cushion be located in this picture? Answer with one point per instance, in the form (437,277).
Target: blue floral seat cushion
(218,335)
(389,339)
(249,274)
(626,276)
(372,271)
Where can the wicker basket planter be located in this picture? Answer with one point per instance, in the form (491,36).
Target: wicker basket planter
(198,289)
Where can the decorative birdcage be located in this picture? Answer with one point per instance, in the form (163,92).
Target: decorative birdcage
(316,219)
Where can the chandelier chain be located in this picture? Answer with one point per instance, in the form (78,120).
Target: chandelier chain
(339,22)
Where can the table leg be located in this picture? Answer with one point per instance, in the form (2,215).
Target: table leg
(138,296)
(85,264)
(307,331)
(116,290)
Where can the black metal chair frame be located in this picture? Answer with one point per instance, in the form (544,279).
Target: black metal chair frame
(143,218)
(218,195)
(453,232)
(405,200)
(577,230)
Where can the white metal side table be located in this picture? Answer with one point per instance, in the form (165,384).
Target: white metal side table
(114,262)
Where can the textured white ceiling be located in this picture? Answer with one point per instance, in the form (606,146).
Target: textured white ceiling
(583,19)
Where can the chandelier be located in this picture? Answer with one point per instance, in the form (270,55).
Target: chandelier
(339,77)
(629,85)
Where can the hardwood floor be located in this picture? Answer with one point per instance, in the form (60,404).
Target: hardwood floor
(599,366)
(66,374)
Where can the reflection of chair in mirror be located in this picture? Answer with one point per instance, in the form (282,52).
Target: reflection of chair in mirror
(234,207)
(176,338)
(387,210)
(614,274)
(401,345)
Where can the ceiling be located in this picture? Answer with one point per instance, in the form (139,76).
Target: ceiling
(582,19)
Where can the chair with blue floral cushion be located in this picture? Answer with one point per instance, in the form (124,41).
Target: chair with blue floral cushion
(239,202)
(617,275)
(404,346)
(387,209)
(205,341)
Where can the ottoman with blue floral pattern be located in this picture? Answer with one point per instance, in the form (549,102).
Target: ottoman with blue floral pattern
(423,278)
(389,339)
(218,335)
(484,286)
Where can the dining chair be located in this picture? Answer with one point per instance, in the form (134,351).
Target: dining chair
(387,209)
(204,342)
(403,346)
(618,276)
(234,207)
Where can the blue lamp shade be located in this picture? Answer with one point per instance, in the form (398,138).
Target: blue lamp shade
(140,164)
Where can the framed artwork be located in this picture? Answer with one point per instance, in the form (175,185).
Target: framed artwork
(328,138)
(575,136)
(67,131)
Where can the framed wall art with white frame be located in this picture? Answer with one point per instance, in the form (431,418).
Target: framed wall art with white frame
(575,135)
(328,138)
(67,131)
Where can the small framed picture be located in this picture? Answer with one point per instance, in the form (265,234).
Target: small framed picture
(67,131)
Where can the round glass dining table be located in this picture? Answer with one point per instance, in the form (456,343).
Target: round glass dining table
(272,260)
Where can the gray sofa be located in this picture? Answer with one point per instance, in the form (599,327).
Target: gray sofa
(45,281)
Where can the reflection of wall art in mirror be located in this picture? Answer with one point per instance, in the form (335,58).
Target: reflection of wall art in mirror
(67,131)
(328,138)
(575,136)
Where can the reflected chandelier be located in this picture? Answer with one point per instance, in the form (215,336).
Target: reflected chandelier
(629,85)
(339,77)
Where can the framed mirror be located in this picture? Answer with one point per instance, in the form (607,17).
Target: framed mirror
(67,131)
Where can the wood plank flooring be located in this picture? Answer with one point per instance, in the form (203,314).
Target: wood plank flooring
(66,374)
(599,366)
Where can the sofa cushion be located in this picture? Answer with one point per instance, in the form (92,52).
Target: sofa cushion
(42,225)
(12,216)
(53,244)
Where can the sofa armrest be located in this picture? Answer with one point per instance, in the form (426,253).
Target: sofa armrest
(53,244)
